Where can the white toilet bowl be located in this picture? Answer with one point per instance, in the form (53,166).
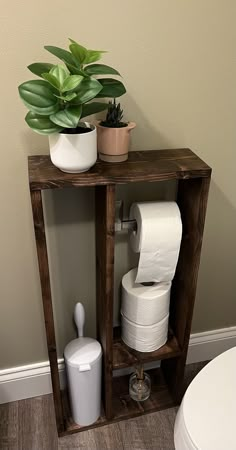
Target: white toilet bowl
(206,419)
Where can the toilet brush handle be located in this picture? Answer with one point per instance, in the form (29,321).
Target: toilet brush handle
(79,316)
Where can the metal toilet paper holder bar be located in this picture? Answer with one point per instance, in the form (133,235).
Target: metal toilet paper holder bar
(121,223)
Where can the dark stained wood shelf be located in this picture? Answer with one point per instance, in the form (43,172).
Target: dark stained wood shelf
(123,406)
(193,177)
(124,356)
(150,165)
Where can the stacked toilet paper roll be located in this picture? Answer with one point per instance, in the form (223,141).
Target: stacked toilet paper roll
(144,305)
(144,313)
(145,309)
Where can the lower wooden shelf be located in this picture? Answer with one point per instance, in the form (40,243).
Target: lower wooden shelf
(123,406)
(124,356)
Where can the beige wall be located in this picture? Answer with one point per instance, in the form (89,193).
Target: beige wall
(178,62)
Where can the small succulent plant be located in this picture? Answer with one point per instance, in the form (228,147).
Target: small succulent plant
(114,116)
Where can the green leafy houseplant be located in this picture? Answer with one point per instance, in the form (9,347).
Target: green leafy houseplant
(114,116)
(63,94)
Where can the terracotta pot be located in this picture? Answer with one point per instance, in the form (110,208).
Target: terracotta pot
(113,143)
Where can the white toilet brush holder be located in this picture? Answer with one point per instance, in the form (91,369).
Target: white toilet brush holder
(83,360)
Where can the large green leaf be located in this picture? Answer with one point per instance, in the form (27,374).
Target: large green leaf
(93,56)
(51,79)
(60,73)
(71,82)
(75,70)
(41,124)
(39,68)
(66,98)
(87,90)
(93,108)
(83,55)
(79,52)
(60,53)
(100,69)
(67,118)
(38,97)
(111,88)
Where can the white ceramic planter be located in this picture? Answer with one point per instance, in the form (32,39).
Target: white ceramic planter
(74,153)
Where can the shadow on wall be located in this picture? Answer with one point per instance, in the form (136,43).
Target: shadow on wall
(216,294)
(148,134)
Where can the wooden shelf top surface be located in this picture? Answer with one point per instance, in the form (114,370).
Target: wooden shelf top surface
(150,165)
(124,356)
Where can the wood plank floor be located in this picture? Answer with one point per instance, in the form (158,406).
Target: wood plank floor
(30,425)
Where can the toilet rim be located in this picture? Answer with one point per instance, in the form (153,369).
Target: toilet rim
(180,427)
(205,422)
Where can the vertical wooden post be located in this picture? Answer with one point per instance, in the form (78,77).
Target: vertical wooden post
(105,235)
(192,200)
(37,207)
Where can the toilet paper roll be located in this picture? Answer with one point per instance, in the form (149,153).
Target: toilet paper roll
(144,338)
(158,238)
(144,305)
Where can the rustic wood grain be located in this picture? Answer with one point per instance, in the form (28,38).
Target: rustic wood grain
(192,201)
(105,236)
(124,356)
(151,165)
(37,208)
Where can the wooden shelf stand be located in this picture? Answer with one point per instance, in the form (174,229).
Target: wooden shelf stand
(193,177)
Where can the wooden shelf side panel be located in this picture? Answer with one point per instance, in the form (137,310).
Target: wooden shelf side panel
(192,200)
(37,209)
(105,237)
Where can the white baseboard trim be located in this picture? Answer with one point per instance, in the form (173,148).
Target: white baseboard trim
(33,380)
(27,381)
(209,344)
